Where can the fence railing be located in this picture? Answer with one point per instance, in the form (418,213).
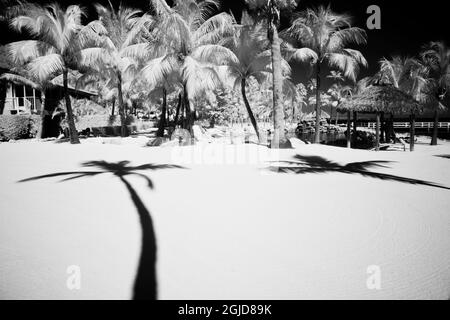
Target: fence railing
(405,125)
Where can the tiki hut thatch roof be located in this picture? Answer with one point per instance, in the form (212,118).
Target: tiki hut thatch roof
(380,98)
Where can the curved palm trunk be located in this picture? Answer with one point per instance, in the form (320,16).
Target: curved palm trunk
(162,121)
(249,110)
(279,138)
(412,131)
(123,126)
(318,109)
(435,128)
(349,130)
(70,119)
(145,284)
(377,133)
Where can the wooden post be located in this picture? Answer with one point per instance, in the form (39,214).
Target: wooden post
(412,131)
(349,129)
(377,133)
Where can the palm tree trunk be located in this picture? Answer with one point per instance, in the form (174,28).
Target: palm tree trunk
(279,138)
(162,120)
(249,110)
(337,118)
(383,128)
(377,133)
(43,128)
(318,106)
(349,130)
(3,89)
(70,119)
(435,128)
(412,131)
(177,113)
(123,126)
(113,106)
(355,126)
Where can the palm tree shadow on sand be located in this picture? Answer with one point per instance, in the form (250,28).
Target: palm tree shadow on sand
(145,284)
(314,164)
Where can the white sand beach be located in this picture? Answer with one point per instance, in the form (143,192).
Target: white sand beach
(226,231)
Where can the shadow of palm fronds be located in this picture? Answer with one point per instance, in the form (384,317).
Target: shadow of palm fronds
(445,156)
(145,284)
(316,164)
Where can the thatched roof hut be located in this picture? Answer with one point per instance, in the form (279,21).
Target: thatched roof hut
(380,98)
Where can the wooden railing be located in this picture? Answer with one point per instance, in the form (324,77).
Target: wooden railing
(405,125)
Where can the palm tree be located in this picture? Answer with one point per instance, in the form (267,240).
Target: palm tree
(250,59)
(409,75)
(188,35)
(58,36)
(122,46)
(436,56)
(269,11)
(328,34)
(337,78)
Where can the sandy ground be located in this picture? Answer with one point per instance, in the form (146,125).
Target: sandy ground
(225,231)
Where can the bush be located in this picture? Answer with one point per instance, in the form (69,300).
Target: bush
(99,121)
(14,127)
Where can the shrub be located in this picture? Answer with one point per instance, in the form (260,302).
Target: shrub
(14,127)
(97,121)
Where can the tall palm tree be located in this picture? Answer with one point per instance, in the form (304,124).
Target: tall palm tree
(436,56)
(120,33)
(188,35)
(269,11)
(250,58)
(57,37)
(328,34)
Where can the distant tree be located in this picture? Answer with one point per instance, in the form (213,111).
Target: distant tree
(328,34)
(436,57)
(121,47)
(58,36)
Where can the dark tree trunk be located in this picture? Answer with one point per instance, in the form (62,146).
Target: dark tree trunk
(177,113)
(3,89)
(279,137)
(113,106)
(377,133)
(162,121)
(355,126)
(349,130)
(249,110)
(190,116)
(435,128)
(318,106)
(123,125)
(44,117)
(412,131)
(383,128)
(337,118)
(70,118)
